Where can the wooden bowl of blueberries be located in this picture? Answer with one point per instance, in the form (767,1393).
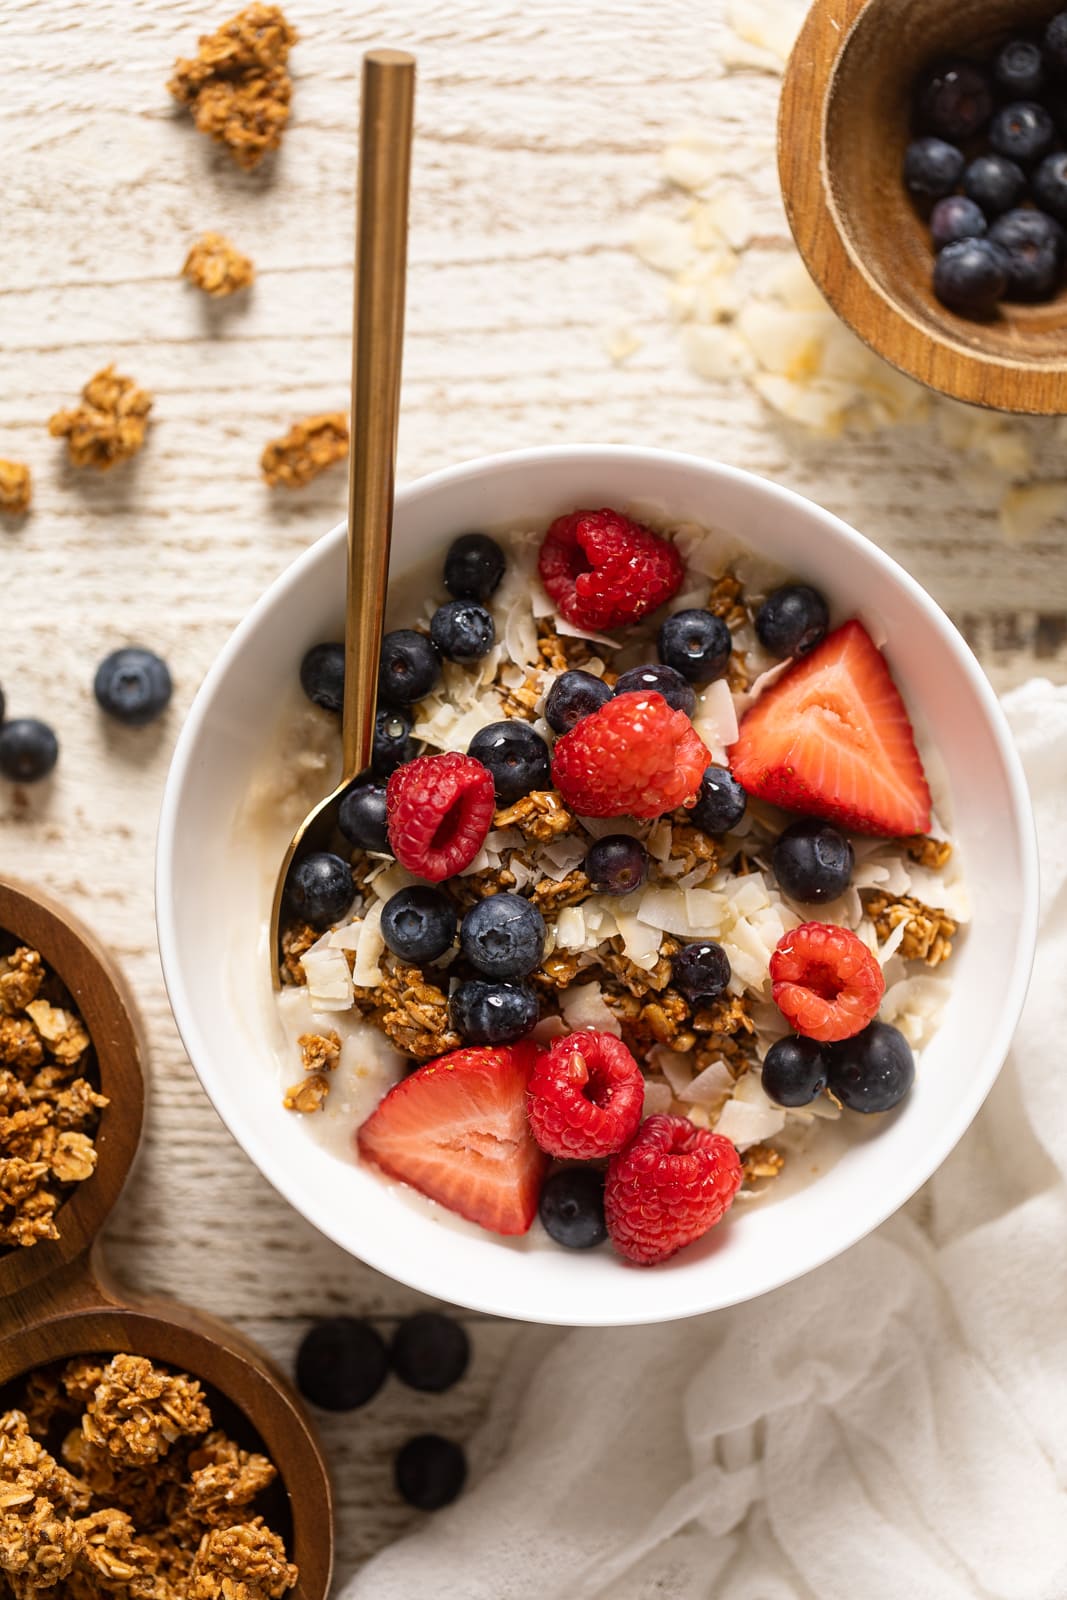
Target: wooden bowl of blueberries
(923,158)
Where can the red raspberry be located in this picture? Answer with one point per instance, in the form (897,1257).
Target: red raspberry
(635,757)
(603,571)
(668,1187)
(439,810)
(585,1097)
(825,981)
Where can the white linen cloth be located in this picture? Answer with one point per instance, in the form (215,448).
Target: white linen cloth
(891,1427)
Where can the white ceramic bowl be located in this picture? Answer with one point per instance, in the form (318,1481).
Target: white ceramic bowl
(759,1248)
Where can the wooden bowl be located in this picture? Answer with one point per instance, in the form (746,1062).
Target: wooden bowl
(843,127)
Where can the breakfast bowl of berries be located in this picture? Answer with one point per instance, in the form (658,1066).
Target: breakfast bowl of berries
(677,931)
(923,159)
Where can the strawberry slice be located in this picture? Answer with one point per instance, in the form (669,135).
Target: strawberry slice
(456,1130)
(832,739)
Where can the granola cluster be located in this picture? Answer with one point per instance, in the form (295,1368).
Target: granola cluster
(16,488)
(109,425)
(307,449)
(928,934)
(217,267)
(319,1054)
(238,87)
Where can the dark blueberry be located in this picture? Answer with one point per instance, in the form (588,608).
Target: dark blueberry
(361,817)
(971,276)
(956,218)
(133,686)
(462,630)
(794,1071)
(409,668)
(616,864)
(493,1013)
(678,693)
(503,936)
(341,1364)
(322,675)
(572,1207)
(792,620)
(3,705)
(932,168)
(1055,44)
(574,695)
(430,1351)
(701,971)
(430,1471)
(1050,185)
(994,184)
(418,924)
(1033,248)
(874,1070)
(721,802)
(28,750)
(393,744)
(1023,132)
(813,861)
(1020,69)
(955,99)
(516,756)
(474,566)
(320,888)
(697,644)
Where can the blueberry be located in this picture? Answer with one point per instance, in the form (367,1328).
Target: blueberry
(28,750)
(430,1351)
(956,218)
(971,276)
(393,744)
(616,864)
(1023,132)
(1032,245)
(320,888)
(678,693)
(3,705)
(133,686)
(721,802)
(932,168)
(794,1071)
(872,1071)
(322,675)
(574,695)
(341,1364)
(409,667)
(697,644)
(1055,44)
(955,99)
(418,924)
(1020,70)
(430,1471)
(701,971)
(361,817)
(503,936)
(493,1013)
(474,566)
(992,182)
(792,620)
(1050,185)
(572,1208)
(516,756)
(813,861)
(462,630)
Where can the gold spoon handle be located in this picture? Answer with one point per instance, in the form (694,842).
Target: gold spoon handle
(377,345)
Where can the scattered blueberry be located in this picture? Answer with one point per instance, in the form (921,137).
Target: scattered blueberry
(393,744)
(341,1364)
(503,936)
(971,276)
(409,667)
(462,630)
(1023,132)
(1055,43)
(697,644)
(572,1207)
(574,695)
(418,924)
(955,99)
(721,802)
(1032,245)
(361,817)
(874,1070)
(474,566)
(616,864)
(993,183)
(792,620)
(1020,70)
(954,218)
(133,686)
(493,1013)
(676,690)
(701,971)
(28,750)
(320,888)
(430,1351)
(794,1071)
(322,675)
(430,1471)
(813,861)
(1050,185)
(932,168)
(516,756)
(3,705)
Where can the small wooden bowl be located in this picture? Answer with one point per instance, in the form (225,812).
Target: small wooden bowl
(844,123)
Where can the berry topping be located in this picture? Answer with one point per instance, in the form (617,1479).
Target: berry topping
(668,1187)
(322,675)
(430,1471)
(832,738)
(494,1013)
(1050,185)
(133,686)
(813,861)
(440,809)
(1023,132)
(932,168)
(361,817)
(456,1130)
(503,936)
(320,888)
(574,695)
(794,1071)
(825,981)
(993,183)
(585,1097)
(955,218)
(697,644)
(676,690)
(872,1071)
(28,750)
(409,667)
(341,1364)
(572,1208)
(616,864)
(1055,44)
(393,744)
(418,924)
(516,757)
(955,99)
(1032,246)
(792,621)
(721,802)
(972,276)
(462,631)
(634,757)
(1020,70)
(701,971)
(603,571)
(474,566)
(430,1351)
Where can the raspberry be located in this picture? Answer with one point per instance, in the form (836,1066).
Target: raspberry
(634,757)
(603,571)
(668,1187)
(439,810)
(826,981)
(585,1097)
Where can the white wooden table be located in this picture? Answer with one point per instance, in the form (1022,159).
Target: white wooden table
(539,141)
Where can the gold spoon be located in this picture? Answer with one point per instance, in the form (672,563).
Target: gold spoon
(377,343)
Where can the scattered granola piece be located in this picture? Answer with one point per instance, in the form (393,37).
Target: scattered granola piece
(109,426)
(307,449)
(928,934)
(539,816)
(694,848)
(549,896)
(296,942)
(16,488)
(761,1161)
(320,1052)
(243,1562)
(217,267)
(467,890)
(238,88)
(137,1411)
(927,852)
(557,971)
(560,651)
(521,701)
(308,1095)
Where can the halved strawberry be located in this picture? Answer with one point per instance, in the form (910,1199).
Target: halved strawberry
(456,1130)
(832,739)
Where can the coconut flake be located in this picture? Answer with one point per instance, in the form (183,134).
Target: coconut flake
(520,634)
(329,981)
(750,1117)
(658,1099)
(708,1086)
(366,971)
(584,1006)
(676,1067)
(569,630)
(570,929)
